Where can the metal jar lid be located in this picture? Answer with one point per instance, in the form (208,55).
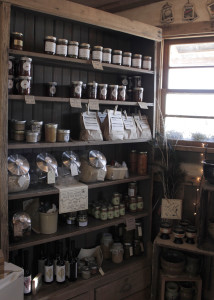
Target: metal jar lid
(18,164)
(17,33)
(64,41)
(70,157)
(96,159)
(50,37)
(24,78)
(107,50)
(65,131)
(137,55)
(95,84)
(115,86)
(77,82)
(127,54)
(52,83)
(85,45)
(103,85)
(26,58)
(123,87)
(99,48)
(46,162)
(117,52)
(138,89)
(73,43)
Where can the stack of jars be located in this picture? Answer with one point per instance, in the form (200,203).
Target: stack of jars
(134,202)
(138,162)
(134,87)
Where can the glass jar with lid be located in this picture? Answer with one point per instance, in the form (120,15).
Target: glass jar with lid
(132,204)
(76,89)
(91,90)
(31,136)
(52,88)
(116,211)
(63,135)
(82,218)
(84,51)
(24,85)
(106,244)
(25,66)
(62,47)
(137,61)
(50,45)
(11,61)
(73,49)
(50,132)
(138,94)
(116,199)
(122,209)
(97,212)
(147,63)
(107,55)
(110,212)
(97,53)
(139,203)
(102,91)
(132,189)
(142,163)
(121,93)
(103,213)
(117,253)
(117,57)
(16,41)
(127,59)
(113,92)
(10,84)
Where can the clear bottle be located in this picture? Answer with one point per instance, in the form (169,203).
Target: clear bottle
(48,268)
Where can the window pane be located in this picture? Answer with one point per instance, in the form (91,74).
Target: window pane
(190,104)
(197,54)
(194,78)
(189,129)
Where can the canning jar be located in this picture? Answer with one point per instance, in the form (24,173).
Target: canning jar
(117,57)
(73,49)
(63,135)
(71,218)
(147,63)
(31,137)
(138,94)
(50,44)
(25,66)
(127,59)
(107,55)
(50,132)
(91,90)
(97,212)
(122,209)
(132,189)
(137,81)
(16,41)
(179,234)
(82,218)
(117,253)
(62,47)
(112,92)
(36,126)
(97,53)
(18,125)
(116,211)
(132,204)
(103,214)
(102,91)
(11,61)
(165,230)
(24,85)
(18,135)
(139,203)
(116,199)
(76,89)
(52,88)
(137,61)
(142,163)
(133,162)
(106,244)
(110,212)
(84,51)
(10,84)
(121,93)
(128,250)
(86,273)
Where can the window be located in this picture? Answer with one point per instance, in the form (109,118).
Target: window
(188,89)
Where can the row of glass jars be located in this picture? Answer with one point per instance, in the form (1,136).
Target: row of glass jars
(63,47)
(108,212)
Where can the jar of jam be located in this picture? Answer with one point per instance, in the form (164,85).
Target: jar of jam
(73,49)
(76,89)
(127,59)
(112,92)
(103,214)
(62,47)
(91,90)
(19,125)
(116,211)
(63,135)
(97,53)
(18,135)
(10,84)
(139,203)
(107,55)
(24,85)
(52,88)
(121,93)
(132,204)
(117,57)
(124,80)
(50,132)
(165,230)
(84,51)
(132,189)
(102,91)
(110,212)
(179,234)
(25,66)
(137,61)
(142,163)
(147,63)
(137,81)
(50,44)
(138,94)
(16,41)
(122,209)
(97,212)
(82,218)
(31,137)
(11,62)
(133,162)
(116,199)
(128,250)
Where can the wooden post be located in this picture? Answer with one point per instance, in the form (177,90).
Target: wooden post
(4,45)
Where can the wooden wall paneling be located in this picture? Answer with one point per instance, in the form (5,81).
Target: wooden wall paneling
(56,114)
(92,37)
(19,21)
(76,32)
(68,31)
(39,33)
(99,37)
(29,32)
(12,20)
(49,26)
(44,111)
(84,37)
(66,109)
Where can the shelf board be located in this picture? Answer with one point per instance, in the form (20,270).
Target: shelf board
(78,63)
(66,231)
(182,247)
(46,190)
(181,277)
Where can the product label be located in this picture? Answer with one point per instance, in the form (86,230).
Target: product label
(107,57)
(97,55)
(127,61)
(114,93)
(136,62)
(10,65)
(74,169)
(90,121)
(29,99)
(133,206)
(128,122)
(18,43)
(97,214)
(10,84)
(25,84)
(84,53)
(140,205)
(27,284)
(77,89)
(27,66)
(93,104)
(117,122)
(143,105)
(48,273)
(103,91)
(122,211)
(123,94)
(73,50)
(97,65)
(147,64)
(125,81)
(131,192)
(60,273)
(110,215)
(130,223)
(117,213)
(51,177)
(117,59)
(50,47)
(52,90)
(61,49)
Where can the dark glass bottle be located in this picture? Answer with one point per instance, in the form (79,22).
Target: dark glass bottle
(41,260)
(48,268)
(73,263)
(60,267)
(27,274)
(67,258)
(56,255)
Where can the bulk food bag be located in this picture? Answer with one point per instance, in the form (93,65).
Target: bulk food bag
(143,128)
(90,128)
(130,130)
(113,128)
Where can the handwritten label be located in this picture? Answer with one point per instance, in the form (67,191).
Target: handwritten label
(97,65)
(74,170)
(93,104)
(143,105)
(75,103)
(101,271)
(130,223)
(29,99)
(51,177)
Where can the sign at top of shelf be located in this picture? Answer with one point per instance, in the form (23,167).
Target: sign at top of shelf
(97,65)
(93,104)
(29,99)
(143,105)
(74,102)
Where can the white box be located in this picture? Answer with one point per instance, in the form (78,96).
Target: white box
(12,285)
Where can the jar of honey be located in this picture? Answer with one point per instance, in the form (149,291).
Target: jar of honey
(147,63)
(127,59)
(107,55)
(97,53)
(25,66)
(142,163)
(137,61)
(84,51)
(117,57)
(16,41)
(62,47)
(102,91)
(50,45)
(133,162)
(73,49)
(50,132)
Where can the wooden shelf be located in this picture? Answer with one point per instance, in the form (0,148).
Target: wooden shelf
(46,190)
(78,63)
(65,231)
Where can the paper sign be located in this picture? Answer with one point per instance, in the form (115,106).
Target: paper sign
(73,198)
(29,99)
(143,105)
(51,177)
(74,170)
(90,121)
(130,223)
(101,271)
(93,104)
(97,65)
(101,175)
(74,102)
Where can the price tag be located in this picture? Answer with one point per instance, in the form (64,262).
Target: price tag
(21,181)
(74,170)
(93,104)
(130,223)
(51,177)
(101,175)
(75,103)
(141,247)
(97,65)
(139,231)
(101,271)
(143,105)
(29,99)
